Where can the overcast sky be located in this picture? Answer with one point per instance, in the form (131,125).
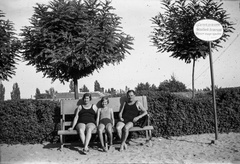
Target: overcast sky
(143,64)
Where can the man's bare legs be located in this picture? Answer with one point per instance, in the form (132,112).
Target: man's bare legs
(123,132)
(119,127)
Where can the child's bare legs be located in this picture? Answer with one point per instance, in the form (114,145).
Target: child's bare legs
(100,133)
(110,136)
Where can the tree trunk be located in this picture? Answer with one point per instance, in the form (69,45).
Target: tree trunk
(75,81)
(193,88)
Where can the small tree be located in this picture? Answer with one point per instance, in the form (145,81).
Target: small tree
(9,46)
(37,94)
(15,94)
(172,85)
(97,86)
(70,39)
(71,86)
(2,91)
(174,29)
(84,89)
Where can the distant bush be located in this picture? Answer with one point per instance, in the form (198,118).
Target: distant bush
(29,121)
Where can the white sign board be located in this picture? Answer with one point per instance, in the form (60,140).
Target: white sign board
(208,30)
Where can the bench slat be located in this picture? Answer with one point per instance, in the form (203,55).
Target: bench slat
(74,132)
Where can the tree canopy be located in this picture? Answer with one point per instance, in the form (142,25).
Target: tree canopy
(9,46)
(173,30)
(70,39)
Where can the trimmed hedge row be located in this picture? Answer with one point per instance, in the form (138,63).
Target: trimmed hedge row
(29,121)
(174,115)
(33,121)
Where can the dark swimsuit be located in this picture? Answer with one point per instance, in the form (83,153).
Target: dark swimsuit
(130,112)
(105,121)
(87,115)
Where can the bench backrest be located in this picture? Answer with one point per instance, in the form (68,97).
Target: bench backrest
(68,107)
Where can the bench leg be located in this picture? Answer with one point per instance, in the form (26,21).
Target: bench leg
(150,137)
(61,142)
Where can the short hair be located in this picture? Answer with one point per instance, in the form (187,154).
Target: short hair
(105,98)
(131,91)
(87,95)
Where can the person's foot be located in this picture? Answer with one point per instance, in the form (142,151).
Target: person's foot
(85,151)
(125,146)
(121,147)
(110,148)
(104,149)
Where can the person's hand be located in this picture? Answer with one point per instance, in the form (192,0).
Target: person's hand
(70,129)
(121,119)
(135,119)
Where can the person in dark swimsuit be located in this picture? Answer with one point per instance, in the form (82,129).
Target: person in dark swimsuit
(85,120)
(105,120)
(130,113)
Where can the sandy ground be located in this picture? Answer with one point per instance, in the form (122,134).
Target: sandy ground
(182,150)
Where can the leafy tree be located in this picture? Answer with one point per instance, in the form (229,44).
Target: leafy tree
(174,29)
(142,87)
(172,85)
(37,94)
(97,86)
(70,39)
(71,86)
(15,94)
(9,46)
(2,91)
(52,92)
(84,89)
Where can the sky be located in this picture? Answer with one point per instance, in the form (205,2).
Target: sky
(143,64)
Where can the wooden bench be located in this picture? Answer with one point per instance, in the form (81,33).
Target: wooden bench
(68,107)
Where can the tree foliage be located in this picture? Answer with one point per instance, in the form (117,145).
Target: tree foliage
(68,40)
(9,46)
(84,89)
(145,87)
(172,85)
(71,86)
(97,86)
(2,92)
(174,28)
(15,94)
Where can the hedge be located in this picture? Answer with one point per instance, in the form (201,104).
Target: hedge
(29,121)
(33,121)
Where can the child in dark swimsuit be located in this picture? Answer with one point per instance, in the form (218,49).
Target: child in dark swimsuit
(105,120)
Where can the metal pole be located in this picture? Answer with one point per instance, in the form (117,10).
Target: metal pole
(213,93)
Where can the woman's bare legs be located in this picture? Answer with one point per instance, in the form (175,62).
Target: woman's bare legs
(81,131)
(89,128)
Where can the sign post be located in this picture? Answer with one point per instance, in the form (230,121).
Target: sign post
(210,30)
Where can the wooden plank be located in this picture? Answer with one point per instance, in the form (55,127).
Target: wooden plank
(74,132)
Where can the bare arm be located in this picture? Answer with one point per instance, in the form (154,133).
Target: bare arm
(143,111)
(112,116)
(98,116)
(121,111)
(75,118)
